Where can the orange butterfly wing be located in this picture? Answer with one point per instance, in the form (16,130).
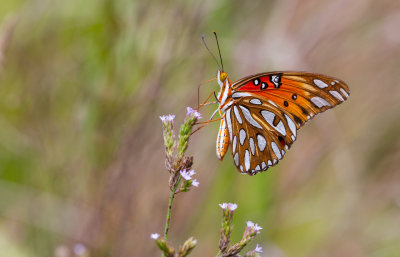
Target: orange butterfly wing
(269,108)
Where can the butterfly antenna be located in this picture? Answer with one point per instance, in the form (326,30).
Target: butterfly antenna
(219,51)
(215,59)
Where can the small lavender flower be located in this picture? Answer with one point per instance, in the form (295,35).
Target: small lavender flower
(167,118)
(155,236)
(79,249)
(229,206)
(253,226)
(193,113)
(187,174)
(258,249)
(188,180)
(195,183)
(255,252)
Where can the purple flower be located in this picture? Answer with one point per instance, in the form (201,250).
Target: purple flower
(258,249)
(195,183)
(229,206)
(193,112)
(79,249)
(254,226)
(167,118)
(187,174)
(154,236)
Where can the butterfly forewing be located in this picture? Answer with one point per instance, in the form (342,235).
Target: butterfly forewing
(302,94)
(268,109)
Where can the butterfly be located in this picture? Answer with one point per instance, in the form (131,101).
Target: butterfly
(261,113)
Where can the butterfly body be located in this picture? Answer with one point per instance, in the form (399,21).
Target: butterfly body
(262,113)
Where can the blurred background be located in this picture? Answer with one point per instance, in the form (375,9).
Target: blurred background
(82,86)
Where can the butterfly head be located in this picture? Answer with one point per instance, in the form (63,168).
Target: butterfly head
(221,77)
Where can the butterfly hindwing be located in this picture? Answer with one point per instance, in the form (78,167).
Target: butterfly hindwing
(261,133)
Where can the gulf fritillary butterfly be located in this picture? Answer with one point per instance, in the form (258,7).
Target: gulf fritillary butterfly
(261,113)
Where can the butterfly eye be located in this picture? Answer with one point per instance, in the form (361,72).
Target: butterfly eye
(223,76)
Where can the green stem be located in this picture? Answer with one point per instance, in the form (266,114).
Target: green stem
(171,200)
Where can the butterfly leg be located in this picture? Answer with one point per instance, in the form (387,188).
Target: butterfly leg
(205,123)
(205,102)
(198,91)
(215,113)
(215,102)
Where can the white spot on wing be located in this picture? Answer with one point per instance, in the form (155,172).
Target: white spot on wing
(336,95)
(246,160)
(255,101)
(257,168)
(320,83)
(240,94)
(236,159)
(237,114)
(261,142)
(229,123)
(234,144)
(252,146)
(320,102)
(269,117)
(276,150)
(281,128)
(344,92)
(292,126)
(242,136)
(269,163)
(249,118)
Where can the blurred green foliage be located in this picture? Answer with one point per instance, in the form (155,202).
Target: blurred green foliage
(82,84)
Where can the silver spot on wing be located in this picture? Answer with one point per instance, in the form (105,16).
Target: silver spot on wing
(276,150)
(262,143)
(255,101)
(249,118)
(320,83)
(252,146)
(237,114)
(242,136)
(320,102)
(246,160)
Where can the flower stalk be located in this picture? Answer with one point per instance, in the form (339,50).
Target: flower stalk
(181,175)
(181,180)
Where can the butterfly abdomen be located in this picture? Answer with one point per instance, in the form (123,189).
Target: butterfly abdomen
(222,140)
